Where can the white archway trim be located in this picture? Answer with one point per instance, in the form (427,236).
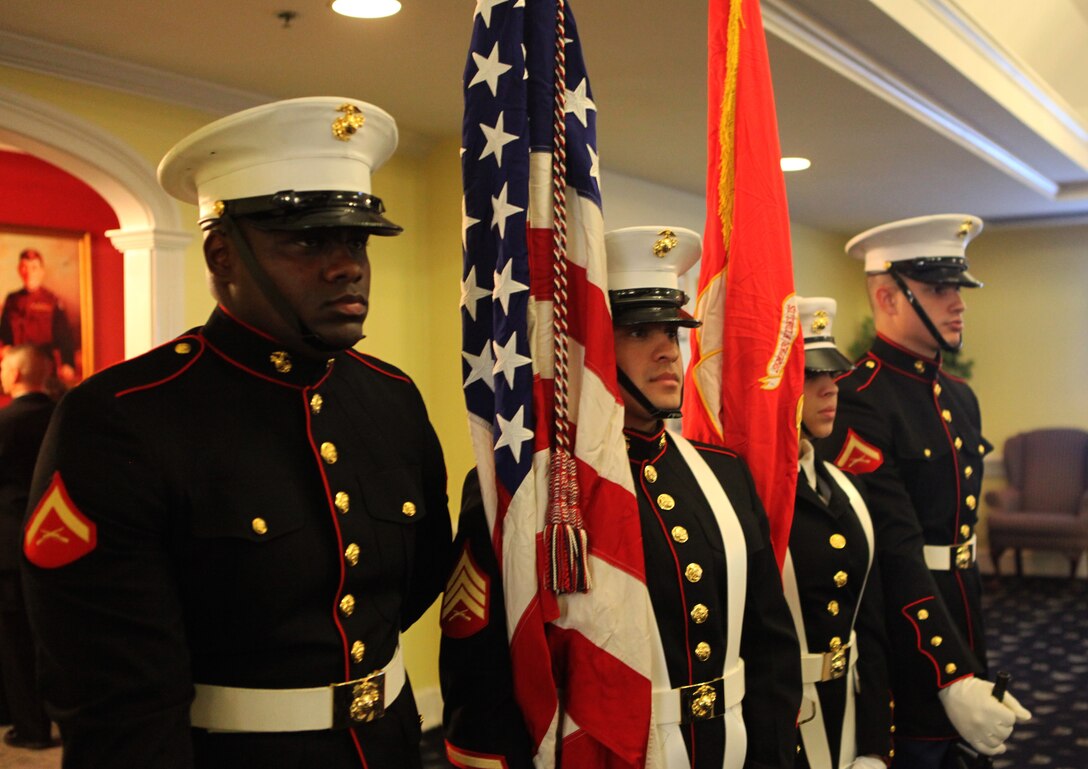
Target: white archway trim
(153,263)
(150,234)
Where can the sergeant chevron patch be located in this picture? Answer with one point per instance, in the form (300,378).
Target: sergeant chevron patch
(857,456)
(57,533)
(467,600)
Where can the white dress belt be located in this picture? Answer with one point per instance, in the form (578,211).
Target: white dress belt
(699,702)
(951,557)
(237,709)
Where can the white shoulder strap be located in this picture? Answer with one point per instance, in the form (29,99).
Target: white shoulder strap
(736,565)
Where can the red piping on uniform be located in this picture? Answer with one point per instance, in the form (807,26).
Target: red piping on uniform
(875,370)
(339,549)
(176,374)
(918,639)
(248,370)
(956,530)
(676,561)
(335,528)
(717,450)
(367,360)
(901,348)
(245,325)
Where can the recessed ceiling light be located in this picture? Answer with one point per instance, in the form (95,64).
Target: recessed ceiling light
(365,9)
(795,164)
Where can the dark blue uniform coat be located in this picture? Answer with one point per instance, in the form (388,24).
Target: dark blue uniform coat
(913,432)
(239,496)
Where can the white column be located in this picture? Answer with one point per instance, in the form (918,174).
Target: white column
(154,285)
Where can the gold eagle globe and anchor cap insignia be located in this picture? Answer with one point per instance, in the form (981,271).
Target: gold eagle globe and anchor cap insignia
(287,165)
(345,126)
(817,316)
(665,243)
(644,269)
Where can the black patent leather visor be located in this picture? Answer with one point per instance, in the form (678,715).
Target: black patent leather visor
(291,210)
(633,306)
(937,269)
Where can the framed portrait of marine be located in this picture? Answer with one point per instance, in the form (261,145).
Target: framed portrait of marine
(45,284)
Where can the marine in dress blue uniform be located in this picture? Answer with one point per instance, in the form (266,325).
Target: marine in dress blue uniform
(689,546)
(913,432)
(832,582)
(229,533)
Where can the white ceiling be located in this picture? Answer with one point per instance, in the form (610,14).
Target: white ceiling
(905,107)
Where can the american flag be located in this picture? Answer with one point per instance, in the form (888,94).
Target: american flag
(581,662)
(746,376)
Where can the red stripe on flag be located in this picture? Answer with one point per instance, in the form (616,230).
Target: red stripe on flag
(608,687)
(610,521)
(589,321)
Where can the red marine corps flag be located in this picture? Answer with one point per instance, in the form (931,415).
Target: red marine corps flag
(746,376)
(545,411)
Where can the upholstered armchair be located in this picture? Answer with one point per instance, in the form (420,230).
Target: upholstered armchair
(1045,505)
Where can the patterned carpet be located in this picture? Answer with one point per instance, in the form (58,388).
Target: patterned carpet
(1037,630)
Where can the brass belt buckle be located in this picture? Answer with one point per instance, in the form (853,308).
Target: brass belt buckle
(358,702)
(699,702)
(835,661)
(964,556)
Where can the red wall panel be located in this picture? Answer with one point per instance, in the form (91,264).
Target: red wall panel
(38,194)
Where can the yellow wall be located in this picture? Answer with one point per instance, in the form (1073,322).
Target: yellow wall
(1027,328)
(821,268)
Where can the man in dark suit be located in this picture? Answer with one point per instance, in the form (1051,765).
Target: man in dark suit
(913,432)
(230,532)
(24,372)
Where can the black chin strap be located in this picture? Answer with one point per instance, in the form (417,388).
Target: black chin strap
(941,342)
(657,413)
(301,335)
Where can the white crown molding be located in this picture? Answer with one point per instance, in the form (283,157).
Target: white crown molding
(41,57)
(45,58)
(816,40)
(954,35)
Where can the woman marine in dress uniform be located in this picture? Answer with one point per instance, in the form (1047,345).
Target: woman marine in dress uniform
(832,583)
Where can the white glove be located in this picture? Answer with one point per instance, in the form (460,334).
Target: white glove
(867,762)
(981,720)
